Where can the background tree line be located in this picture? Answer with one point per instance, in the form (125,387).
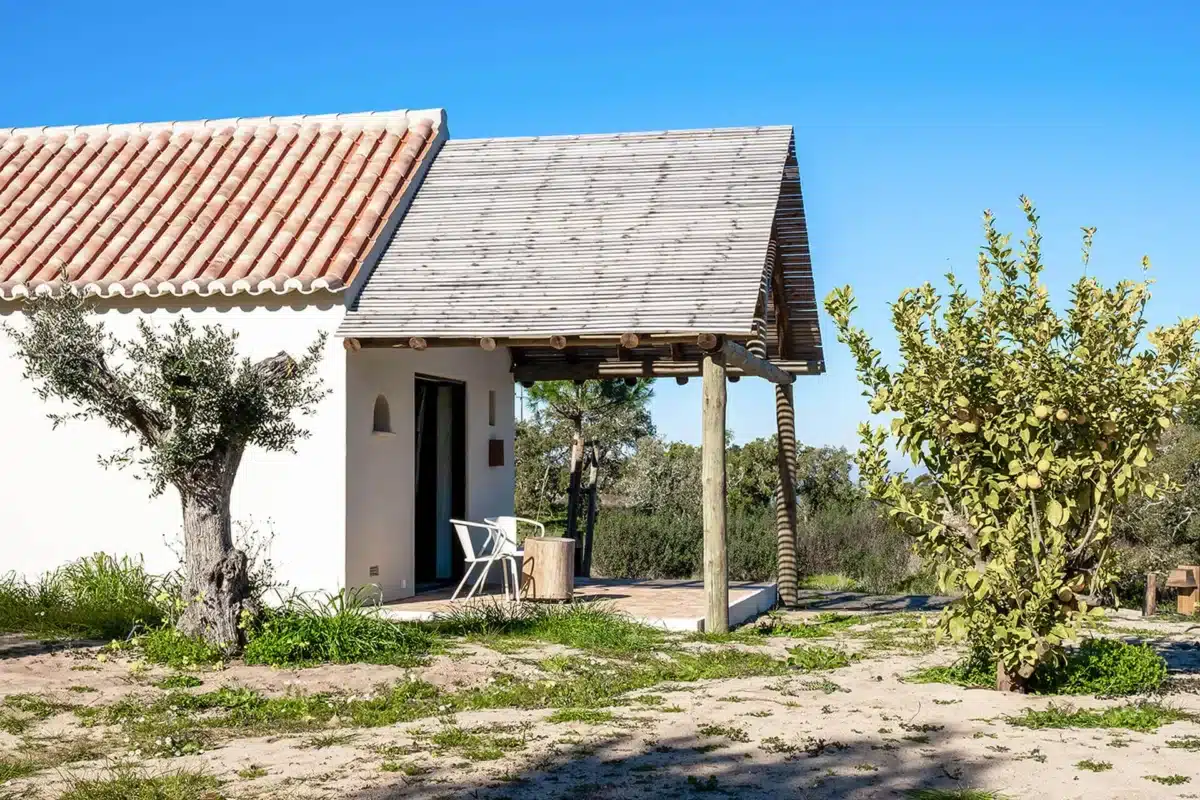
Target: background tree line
(644,494)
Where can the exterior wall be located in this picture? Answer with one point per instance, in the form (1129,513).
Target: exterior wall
(380,467)
(57,503)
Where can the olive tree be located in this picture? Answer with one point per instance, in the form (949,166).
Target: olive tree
(191,407)
(1033,426)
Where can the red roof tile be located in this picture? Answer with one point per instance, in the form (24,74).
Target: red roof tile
(270,204)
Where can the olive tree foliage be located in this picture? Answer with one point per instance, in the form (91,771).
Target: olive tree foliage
(190,407)
(1034,426)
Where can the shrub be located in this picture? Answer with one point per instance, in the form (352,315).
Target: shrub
(1033,425)
(630,544)
(1105,667)
(337,628)
(98,597)
(854,541)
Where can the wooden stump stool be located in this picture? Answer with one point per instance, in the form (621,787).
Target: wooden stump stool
(548,568)
(1187,580)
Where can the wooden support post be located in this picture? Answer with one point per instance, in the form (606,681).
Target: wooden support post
(1150,603)
(787,574)
(716,572)
(573,490)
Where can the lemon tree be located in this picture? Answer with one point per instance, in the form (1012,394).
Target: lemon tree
(1032,426)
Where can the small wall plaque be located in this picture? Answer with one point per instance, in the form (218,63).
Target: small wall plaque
(495,452)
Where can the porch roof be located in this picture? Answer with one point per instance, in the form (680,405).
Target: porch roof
(568,243)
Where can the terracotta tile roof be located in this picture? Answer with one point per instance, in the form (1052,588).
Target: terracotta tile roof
(269,204)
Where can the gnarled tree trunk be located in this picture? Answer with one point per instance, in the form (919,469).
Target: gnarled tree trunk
(216,585)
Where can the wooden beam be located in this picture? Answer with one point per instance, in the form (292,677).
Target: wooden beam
(787,574)
(487,343)
(417,343)
(708,341)
(598,340)
(629,340)
(560,370)
(352,345)
(681,380)
(716,567)
(558,342)
(738,356)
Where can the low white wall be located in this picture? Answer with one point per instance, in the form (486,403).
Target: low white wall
(57,503)
(379,472)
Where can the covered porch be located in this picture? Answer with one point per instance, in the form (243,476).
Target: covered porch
(678,254)
(672,605)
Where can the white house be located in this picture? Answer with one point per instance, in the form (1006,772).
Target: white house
(447,270)
(260,225)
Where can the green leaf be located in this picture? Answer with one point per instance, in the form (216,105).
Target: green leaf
(1056,515)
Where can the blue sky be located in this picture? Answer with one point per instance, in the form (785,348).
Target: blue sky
(910,118)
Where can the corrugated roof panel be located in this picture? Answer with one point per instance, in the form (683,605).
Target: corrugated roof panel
(583,235)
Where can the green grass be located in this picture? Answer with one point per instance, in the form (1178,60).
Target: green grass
(166,645)
(18,766)
(334,628)
(130,783)
(178,722)
(179,681)
(830,582)
(485,743)
(1093,766)
(1185,743)
(99,597)
(251,772)
(590,627)
(1168,780)
(812,658)
(20,712)
(730,732)
(1142,716)
(591,716)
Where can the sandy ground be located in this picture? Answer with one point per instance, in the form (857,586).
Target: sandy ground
(867,734)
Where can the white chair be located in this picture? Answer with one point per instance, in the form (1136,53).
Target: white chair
(509,547)
(483,544)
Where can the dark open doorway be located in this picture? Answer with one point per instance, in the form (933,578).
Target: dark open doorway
(440,490)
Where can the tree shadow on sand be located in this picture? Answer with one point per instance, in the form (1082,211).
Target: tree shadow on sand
(799,767)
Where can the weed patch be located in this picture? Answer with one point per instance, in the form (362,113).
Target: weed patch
(590,716)
(1093,766)
(1142,717)
(814,658)
(129,783)
(730,732)
(179,681)
(478,744)
(1168,780)
(339,629)
(99,597)
(591,627)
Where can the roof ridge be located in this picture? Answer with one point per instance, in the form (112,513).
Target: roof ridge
(412,116)
(624,134)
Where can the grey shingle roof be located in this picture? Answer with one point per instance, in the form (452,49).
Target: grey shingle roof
(651,233)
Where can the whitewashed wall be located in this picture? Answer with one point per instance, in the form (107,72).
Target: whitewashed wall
(380,511)
(57,503)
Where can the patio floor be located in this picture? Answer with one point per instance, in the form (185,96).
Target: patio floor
(675,605)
